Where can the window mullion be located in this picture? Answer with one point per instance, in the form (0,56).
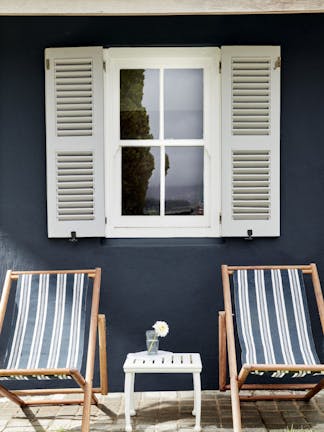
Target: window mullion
(162,152)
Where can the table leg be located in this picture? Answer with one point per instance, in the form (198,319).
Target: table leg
(132,399)
(197,400)
(128,396)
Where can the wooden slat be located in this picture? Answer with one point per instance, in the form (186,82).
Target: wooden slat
(314,390)
(46,392)
(274,386)
(222,350)
(91,351)
(158,7)
(91,273)
(236,411)
(242,377)
(5,297)
(38,402)
(30,372)
(11,396)
(306,269)
(283,367)
(103,354)
(318,294)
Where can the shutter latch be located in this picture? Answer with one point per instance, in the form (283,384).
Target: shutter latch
(249,235)
(73,238)
(277,63)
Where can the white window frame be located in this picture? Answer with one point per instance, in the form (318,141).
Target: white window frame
(207,225)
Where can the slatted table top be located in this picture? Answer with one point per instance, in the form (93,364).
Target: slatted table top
(163,362)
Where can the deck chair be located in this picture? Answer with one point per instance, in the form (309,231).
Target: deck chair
(273,329)
(48,329)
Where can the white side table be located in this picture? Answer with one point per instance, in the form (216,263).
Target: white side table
(163,362)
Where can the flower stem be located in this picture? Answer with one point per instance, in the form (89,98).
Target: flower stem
(151,344)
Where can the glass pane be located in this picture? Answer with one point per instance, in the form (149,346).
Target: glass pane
(183,103)
(139,104)
(140,181)
(184,181)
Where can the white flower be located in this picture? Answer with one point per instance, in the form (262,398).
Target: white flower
(161,328)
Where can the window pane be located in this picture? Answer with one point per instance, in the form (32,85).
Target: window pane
(184,181)
(183,103)
(140,181)
(139,104)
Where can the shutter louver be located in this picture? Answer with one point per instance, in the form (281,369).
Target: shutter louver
(75,192)
(251,96)
(250,141)
(251,185)
(73,97)
(74,135)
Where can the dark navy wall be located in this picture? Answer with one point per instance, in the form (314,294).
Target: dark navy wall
(177,280)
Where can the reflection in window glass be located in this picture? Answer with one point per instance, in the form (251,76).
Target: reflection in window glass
(140,181)
(184,181)
(139,104)
(183,103)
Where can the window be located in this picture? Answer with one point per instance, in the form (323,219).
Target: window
(163,142)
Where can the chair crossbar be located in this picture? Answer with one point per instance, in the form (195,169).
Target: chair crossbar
(47,392)
(49,402)
(36,372)
(284,367)
(306,269)
(291,387)
(18,273)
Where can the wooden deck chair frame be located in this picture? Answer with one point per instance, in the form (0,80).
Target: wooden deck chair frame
(97,322)
(227,346)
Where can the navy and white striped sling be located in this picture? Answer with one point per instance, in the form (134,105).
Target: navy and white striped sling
(48,322)
(272,318)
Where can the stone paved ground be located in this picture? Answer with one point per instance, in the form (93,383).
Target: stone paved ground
(168,412)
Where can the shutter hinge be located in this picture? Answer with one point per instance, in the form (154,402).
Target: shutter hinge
(277,63)
(220,67)
(220,217)
(106,220)
(104,66)
(47,64)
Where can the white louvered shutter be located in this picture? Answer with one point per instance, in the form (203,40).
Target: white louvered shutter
(250,141)
(74,141)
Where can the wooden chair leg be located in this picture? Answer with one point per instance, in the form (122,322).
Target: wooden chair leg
(102,354)
(314,390)
(85,427)
(11,396)
(222,350)
(236,409)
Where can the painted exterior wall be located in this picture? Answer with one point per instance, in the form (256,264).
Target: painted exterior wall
(177,280)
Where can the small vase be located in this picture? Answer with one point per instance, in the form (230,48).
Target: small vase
(152,342)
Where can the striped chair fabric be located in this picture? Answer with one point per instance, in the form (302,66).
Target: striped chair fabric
(272,318)
(48,322)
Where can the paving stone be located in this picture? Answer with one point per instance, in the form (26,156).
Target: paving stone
(19,429)
(168,411)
